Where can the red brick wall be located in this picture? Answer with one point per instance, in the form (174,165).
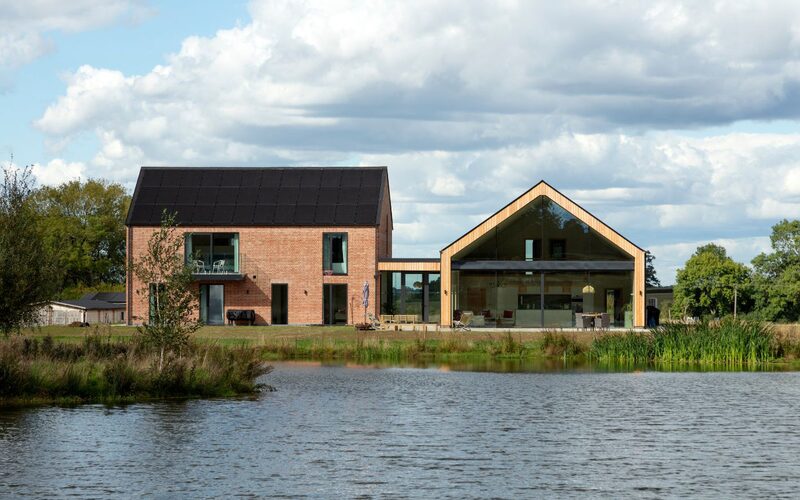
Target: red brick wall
(291,255)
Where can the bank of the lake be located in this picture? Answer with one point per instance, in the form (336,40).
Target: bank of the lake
(102,369)
(85,366)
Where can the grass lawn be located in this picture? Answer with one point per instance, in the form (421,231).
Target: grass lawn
(269,334)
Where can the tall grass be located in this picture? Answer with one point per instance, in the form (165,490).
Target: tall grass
(728,342)
(367,349)
(102,369)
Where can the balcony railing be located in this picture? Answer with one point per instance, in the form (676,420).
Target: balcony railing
(227,267)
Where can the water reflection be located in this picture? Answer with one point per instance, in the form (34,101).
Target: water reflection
(429,430)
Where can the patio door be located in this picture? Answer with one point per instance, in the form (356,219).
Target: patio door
(212,304)
(334,304)
(280,304)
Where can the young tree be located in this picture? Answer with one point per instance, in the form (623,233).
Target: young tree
(85,222)
(650,278)
(776,276)
(710,282)
(167,284)
(28,271)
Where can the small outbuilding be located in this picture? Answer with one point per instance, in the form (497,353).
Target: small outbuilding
(92,308)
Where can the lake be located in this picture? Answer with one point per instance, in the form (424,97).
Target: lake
(338,431)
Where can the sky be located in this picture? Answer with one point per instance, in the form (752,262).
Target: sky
(676,123)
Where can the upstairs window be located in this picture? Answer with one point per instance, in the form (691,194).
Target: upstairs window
(212,253)
(533,250)
(334,253)
(558,249)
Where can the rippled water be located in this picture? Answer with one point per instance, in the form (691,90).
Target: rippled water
(335,431)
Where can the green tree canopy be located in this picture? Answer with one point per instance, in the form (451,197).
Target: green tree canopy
(776,275)
(85,223)
(29,274)
(650,278)
(705,285)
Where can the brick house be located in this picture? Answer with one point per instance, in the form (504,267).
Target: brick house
(296,245)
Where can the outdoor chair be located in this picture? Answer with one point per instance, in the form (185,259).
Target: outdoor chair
(374,323)
(463,324)
(219,266)
(199,266)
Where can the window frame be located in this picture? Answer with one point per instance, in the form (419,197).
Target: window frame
(188,247)
(346,251)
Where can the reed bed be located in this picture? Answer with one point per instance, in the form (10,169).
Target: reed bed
(106,370)
(366,349)
(728,342)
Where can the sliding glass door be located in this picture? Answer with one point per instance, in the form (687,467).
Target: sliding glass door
(212,304)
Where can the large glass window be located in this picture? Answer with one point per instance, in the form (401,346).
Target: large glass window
(542,230)
(412,294)
(334,253)
(211,253)
(155,298)
(541,299)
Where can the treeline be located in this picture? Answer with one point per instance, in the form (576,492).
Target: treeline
(57,242)
(712,284)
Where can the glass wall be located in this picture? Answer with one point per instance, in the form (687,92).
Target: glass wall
(334,253)
(542,230)
(411,293)
(212,252)
(541,299)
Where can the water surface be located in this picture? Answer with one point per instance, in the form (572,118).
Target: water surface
(338,431)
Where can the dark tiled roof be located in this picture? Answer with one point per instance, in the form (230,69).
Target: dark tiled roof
(118,297)
(286,196)
(91,304)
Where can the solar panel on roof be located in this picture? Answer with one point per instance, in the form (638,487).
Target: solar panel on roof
(291,177)
(365,214)
(308,196)
(271,178)
(284,214)
(206,196)
(243,215)
(331,177)
(151,178)
(227,195)
(270,196)
(351,178)
(247,196)
(267,196)
(348,196)
(288,196)
(264,214)
(231,178)
(251,178)
(203,214)
(167,195)
(148,195)
(304,214)
(372,178)
(184,212)
(325,214)
(187,195)
(223,214)
(311,178)
(368,195)
(211,178)
(171,177)
(345,214)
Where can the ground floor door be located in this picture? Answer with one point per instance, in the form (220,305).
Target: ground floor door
(614,305)
(334,304)
(280,304)
(212,304)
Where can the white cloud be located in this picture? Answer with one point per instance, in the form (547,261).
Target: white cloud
(58,171)
(471,103)
(25,25)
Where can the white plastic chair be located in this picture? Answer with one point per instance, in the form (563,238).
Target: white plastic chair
(219,266)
